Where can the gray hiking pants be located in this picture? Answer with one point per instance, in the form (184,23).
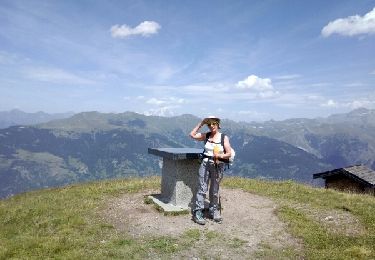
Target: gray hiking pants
(209,173)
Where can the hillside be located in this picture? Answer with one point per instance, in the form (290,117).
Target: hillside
(340,140)
(108,219)
(94,146)
(18,117)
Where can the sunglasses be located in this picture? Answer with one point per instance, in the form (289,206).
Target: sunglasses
(212,123)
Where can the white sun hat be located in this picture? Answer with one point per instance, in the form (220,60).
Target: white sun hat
(210,118)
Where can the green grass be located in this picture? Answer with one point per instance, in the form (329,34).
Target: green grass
(64,223)
(318,242)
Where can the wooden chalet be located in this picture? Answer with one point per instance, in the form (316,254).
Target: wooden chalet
(358,178)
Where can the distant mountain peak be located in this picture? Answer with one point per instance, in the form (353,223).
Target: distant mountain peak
(359,111)
(19,117)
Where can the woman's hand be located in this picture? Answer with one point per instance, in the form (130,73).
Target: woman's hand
(218,156)
(194,133)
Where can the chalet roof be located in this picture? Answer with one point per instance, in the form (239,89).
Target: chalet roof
(359,173)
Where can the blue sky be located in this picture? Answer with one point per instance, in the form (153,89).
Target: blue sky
(242,60)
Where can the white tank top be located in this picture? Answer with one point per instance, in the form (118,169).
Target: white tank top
(210,146)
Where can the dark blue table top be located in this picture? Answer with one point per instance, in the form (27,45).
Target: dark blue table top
(176,153)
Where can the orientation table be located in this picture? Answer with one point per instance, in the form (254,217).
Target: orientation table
(179,180)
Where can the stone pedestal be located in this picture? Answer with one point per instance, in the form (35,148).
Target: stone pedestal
(179,182)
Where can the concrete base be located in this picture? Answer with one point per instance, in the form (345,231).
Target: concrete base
(179,180)
(167,208)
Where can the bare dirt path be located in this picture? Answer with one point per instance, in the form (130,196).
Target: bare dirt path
(250,225)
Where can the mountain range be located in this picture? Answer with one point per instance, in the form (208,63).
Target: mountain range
(91,146)
(18,117)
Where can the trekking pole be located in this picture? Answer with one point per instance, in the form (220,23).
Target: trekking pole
(218,180)
(220,203)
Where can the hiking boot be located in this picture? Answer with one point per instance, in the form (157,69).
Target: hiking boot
(216,216)
(198,217)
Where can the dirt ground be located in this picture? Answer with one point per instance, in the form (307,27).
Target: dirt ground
(249,225)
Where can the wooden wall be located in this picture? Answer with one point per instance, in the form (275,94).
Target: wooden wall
(344,183)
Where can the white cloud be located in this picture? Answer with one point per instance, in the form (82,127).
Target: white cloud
(330,103)
(253,82)
(262,87)
(197,89)
(321,84)
(313,97)
(154,101)
(352,25)
(165,101)
(355,84)
(145,28)
(364,102)
(54,75)
(372,73)
(288,77)
(360,103)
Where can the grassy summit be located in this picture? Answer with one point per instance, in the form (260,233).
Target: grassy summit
(65,223)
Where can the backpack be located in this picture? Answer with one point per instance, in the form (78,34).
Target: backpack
(232,154)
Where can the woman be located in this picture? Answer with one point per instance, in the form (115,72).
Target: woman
(211,169)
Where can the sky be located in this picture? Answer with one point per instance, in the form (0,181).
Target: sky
(242,60)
